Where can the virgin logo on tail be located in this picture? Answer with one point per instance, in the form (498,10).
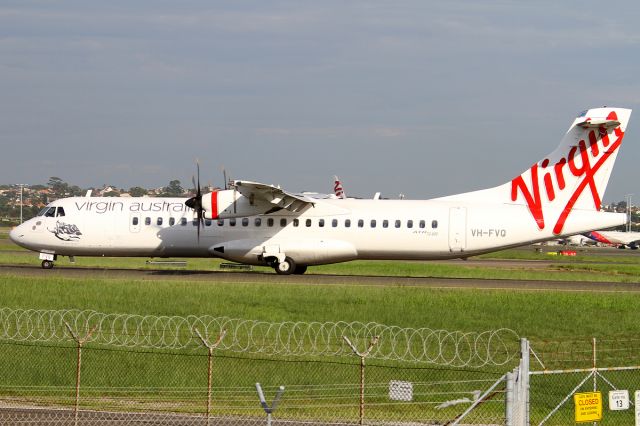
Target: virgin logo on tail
(582,162)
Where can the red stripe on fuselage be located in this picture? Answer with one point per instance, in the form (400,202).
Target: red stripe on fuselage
(214,205)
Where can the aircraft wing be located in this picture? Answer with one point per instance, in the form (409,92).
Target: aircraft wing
(274,195)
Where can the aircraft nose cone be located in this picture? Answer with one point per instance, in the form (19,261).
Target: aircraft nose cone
(15,234)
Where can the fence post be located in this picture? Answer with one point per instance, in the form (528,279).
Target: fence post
(362,356)
(210,347)
(80,342)
(525,354)
(269,410)
(509,397)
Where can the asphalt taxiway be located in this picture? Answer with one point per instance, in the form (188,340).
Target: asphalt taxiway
(323,279)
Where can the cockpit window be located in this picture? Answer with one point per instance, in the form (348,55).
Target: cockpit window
(60,212)
(51,212)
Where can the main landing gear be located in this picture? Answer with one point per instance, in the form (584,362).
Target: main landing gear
(47,264)
(288,266)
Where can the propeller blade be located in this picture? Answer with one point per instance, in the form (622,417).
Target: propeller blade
(224,176)
(195,202)
(198,193)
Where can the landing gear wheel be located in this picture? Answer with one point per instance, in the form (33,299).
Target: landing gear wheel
(47,264)
(300,269)
(286,267)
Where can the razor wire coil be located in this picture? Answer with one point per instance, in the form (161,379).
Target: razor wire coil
(422,345)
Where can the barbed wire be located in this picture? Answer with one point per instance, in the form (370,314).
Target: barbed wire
(422,345)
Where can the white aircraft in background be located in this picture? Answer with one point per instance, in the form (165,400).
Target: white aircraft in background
(576,240)
(619,238)
(260,224)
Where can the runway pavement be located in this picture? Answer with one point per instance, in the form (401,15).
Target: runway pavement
(322,279)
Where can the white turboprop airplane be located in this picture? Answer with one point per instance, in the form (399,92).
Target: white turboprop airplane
(260,224)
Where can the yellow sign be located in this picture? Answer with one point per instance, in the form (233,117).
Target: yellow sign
(588,406)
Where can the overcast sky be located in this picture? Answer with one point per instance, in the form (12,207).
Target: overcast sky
(421,97)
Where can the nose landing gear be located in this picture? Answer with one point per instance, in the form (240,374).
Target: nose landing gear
(47,260)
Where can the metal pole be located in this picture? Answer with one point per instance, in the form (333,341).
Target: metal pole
(80,342)
(21,185)
(628,199)
(264,404)
(510,378)
(595,371)
(595,384)
(526,354)
(210,348)
(362,356)
(361,389)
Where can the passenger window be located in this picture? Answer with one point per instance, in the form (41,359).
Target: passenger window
(220,222)
(296,222)
(283,222)
(135,220)
(398,224)
(194,222)
(347,223)
(147,221)
(334,223)
(183,221)
(232,222)
(434,224)
(360,223)
(257,222)
(422,224)
(159,221)
(308,223)
(409,223)
(172,221)
(270,221)
(373,223)
(207,222)
(245,221)
(321,223)
(60,212)
(385,223)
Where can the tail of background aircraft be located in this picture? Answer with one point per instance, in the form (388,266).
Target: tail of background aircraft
(574,176)
(337,188)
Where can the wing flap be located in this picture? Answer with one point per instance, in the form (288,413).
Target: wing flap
(273,195)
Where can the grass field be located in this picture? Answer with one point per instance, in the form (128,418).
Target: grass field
(526,312)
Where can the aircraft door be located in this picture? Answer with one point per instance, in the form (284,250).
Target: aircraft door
(457,229)
(134,222)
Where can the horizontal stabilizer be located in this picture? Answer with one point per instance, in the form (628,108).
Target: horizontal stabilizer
(592,123)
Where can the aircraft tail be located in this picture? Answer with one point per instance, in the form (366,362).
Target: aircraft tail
(337,188)
(573,177)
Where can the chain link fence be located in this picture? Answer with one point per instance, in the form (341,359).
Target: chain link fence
(561,369)
(85,367)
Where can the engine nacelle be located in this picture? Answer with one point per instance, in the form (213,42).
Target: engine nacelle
(229,203)
(310,252)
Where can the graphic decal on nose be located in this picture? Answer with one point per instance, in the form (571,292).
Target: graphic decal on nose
(66,231)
